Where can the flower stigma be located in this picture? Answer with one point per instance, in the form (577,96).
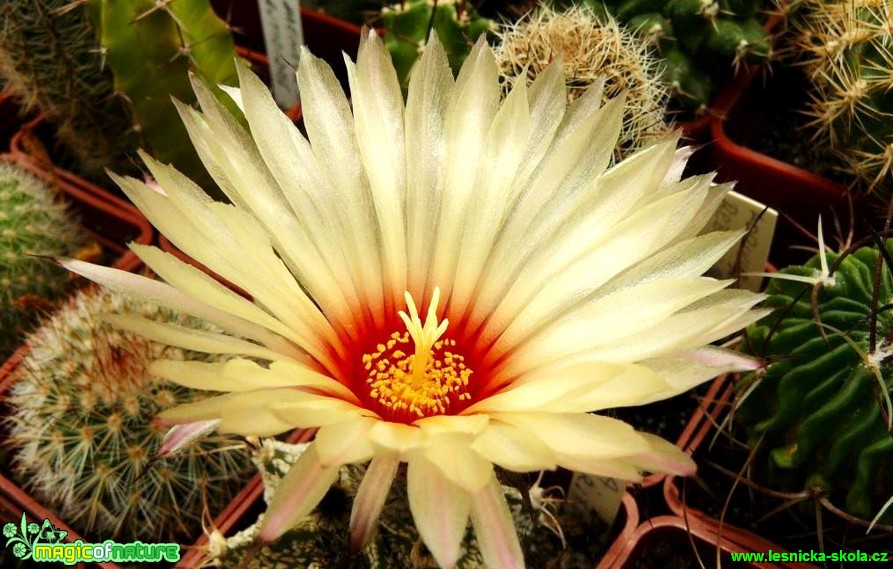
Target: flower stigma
(415,373)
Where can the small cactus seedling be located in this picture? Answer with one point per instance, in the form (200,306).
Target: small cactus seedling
(32,223)
(847,52)
(819,415)
(591,48)
(82,435)
(321,539)
(408,24)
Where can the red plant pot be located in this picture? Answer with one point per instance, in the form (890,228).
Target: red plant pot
(799,195)
(687,543)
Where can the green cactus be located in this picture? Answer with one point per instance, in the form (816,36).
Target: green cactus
(108,69)
(822,408)
(321,539)
(591,47)
(50,57)
(81,431)
(701,41)
(847,53)
(32,223)
(408,23)
(152,47)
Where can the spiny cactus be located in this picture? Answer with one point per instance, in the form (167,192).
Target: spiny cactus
(701,41)
(407,25)
(152,46)
(591,47)
(321,539)
(105,70)
(32,223)
(50,57)
(81,431)
(847,50)
(821,411)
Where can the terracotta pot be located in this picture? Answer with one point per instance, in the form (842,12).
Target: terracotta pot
(685,542)
(692,498)
(794,192)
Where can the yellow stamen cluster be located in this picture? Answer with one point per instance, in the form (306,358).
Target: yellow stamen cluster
(415,372)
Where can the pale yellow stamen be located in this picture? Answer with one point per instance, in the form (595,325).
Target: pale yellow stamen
(420,381)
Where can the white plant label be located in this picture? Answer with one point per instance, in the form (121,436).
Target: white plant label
(283,36)
(735,212)
(589,493)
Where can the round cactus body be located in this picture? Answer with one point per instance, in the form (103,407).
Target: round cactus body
(591,48)
(407,25)
(848,57)
(819,412)
(321,540)
(32,224)
(82,435)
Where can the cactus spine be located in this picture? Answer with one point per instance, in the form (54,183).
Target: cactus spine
(82,433)
(407,24)
(591,47)
(848,58)
(822,408)
(50,58)
(31,223)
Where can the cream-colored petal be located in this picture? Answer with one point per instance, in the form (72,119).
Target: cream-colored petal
(495,528)
(378,117)
(474,103)
(370,499)
(439,424)
(603,320)
(439,508)
(330,127)
(577,388)
(302,375)
(190,338)
(315,411)
(290,160)
(396,437)
(345,442)
(297,494)
(184,435)
(170,297)
(664,457)
(581,434)
(514,448)
(430,88)
(450,453)
(235,411)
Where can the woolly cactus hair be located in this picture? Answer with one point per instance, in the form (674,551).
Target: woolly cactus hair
(591,48)
(82,434)
(821,411)
(848,53)
(32,223)
(321,539)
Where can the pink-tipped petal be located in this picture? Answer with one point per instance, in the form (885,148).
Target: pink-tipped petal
(440,510)
(297,494)
(495,529)
(370,499)
(179,437)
